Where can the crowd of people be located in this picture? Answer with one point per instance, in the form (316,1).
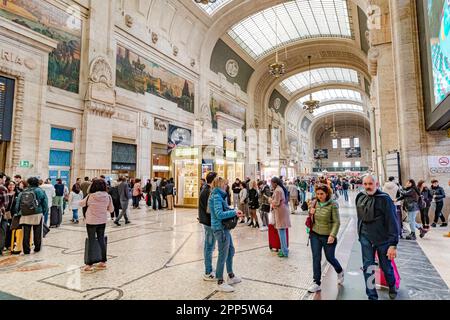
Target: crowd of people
(385,215)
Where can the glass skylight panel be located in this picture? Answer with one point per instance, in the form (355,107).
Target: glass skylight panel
(211,8)
(337,108)
(318,77)
(295,20)
(334,94)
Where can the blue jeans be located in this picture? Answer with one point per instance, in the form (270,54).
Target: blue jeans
(75,214)
(319,242)
(283,241)
(210,243)
(369,266)
(412,220)
(226,252)
(346,195)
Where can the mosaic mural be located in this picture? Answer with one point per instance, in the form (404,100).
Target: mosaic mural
(55,23)
(137,74)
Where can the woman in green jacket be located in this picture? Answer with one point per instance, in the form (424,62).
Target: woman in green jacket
(324,212)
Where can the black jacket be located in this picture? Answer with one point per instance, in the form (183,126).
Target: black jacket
(204,217)
(253,200)
(439,193)
(236,188)
(377,218)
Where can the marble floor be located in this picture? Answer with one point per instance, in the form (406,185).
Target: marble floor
(160,256)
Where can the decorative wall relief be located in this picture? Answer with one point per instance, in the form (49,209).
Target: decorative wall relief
(160,125)
(137,74)
(50,21)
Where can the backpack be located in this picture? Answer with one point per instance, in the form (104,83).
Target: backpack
(28,203)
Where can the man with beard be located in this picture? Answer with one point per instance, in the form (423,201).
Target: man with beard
(378,231)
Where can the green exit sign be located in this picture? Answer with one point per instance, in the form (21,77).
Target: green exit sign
(24,164)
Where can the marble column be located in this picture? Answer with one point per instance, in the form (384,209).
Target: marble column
(407,84)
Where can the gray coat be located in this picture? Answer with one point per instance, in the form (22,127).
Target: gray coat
(124,192)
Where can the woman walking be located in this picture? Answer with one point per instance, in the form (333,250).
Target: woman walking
(280,205)
(428,198)
(324,213)
(220,212)
(253,203)
(99,206)
(75,196)
(411,197)
(137,193)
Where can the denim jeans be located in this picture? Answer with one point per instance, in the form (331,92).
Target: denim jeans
(226,252)
(319,242)
(412,215)
(210,243)
(369,266)
(283,241)
(75,214)
(346,195)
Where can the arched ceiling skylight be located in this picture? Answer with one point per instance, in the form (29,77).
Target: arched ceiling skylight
(212,8)
(333,95)
(338,108)
(296,19)
(318,77)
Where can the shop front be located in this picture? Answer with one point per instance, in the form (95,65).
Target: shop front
(186,168)
(160,161)
(123,160)
(6,112)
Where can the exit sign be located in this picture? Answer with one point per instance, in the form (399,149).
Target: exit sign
(24,164)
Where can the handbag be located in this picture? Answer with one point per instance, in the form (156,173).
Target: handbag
(230,223)
(15,224)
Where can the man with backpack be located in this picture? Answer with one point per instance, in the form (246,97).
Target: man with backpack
(204,217)
(31,206)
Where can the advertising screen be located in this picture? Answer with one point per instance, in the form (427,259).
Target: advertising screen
(439,30)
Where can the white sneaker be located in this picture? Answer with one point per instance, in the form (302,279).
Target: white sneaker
(234,280)
(224,287)
(314,288)
(210,277)
(341,278)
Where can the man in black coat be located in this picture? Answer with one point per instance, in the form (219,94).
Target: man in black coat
(204,217)
(378,231)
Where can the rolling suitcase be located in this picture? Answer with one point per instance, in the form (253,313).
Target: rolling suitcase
(274,238)
(92,252)
(381,279)
(55,216)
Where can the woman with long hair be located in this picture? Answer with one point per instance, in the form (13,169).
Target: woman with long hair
(253,203)
(280,205)
(411,196)
(220,211)
(324,212)
(99,206)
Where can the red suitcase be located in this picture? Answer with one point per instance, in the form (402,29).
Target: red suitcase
(274,238)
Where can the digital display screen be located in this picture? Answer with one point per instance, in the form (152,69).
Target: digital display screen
(439,29)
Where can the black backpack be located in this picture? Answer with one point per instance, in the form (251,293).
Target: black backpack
(28,203)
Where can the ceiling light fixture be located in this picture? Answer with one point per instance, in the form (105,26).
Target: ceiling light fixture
(311,105)
(205,1)
(278,68)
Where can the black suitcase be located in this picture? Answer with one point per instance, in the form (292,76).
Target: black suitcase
(93,252)
(55,216)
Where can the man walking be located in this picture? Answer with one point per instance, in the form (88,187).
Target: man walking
(378,232)
(438,198)
(124,194)
(204,217)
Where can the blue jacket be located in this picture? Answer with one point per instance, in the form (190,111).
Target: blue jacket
(219,209)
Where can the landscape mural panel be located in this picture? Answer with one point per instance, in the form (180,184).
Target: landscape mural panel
(219,104)
(57,24)
(137,74)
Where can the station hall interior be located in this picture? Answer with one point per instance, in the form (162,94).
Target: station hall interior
(305,90)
